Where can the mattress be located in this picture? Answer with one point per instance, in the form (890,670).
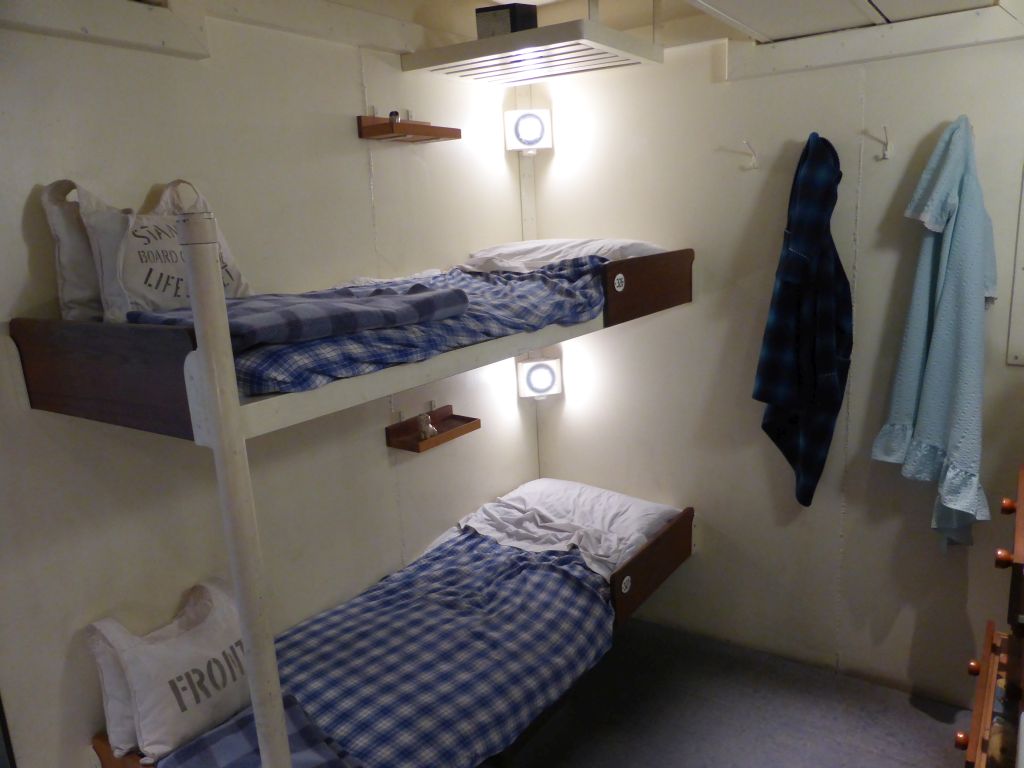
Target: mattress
(499,304)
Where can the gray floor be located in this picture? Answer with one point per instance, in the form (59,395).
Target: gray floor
(662,698)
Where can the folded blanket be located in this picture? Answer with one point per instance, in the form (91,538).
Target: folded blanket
(234,744)
(278,318)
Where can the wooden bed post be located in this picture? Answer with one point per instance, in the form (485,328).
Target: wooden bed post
(197,234)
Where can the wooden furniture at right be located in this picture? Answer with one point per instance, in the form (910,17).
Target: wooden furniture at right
(998,702)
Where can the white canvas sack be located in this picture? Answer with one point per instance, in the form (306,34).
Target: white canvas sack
(78,285)
(186,677)
(140,263)
(117,697)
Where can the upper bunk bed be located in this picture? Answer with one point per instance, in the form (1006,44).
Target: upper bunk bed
(147,377)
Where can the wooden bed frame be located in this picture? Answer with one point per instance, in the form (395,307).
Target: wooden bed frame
(135,375)
(632,583)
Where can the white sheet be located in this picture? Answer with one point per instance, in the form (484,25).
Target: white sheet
(592,507)
(528,255)
(546,514)
(535,531)
(608,527)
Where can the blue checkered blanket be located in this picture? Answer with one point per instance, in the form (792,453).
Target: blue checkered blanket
(446,662)
(234,745)
(500,304)
(280,318)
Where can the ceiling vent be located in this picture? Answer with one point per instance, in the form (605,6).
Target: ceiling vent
(537,54)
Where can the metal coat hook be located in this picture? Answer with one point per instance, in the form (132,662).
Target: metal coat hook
(886,146)
(753,157)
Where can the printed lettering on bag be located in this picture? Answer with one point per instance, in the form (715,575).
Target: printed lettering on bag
(199,684)
(149,233)
(154,264)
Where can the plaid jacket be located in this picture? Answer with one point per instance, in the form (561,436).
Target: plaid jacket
(805,355)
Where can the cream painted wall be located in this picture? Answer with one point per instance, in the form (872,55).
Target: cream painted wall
(99,520)
(662,408)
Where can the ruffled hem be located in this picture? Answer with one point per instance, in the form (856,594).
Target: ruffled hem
(952,524)
(961,499)
(924,461)
(892,443)
(961,503)
(960,490)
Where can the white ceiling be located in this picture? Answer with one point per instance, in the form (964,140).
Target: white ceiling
(785,19)
(763,20)
(899,10)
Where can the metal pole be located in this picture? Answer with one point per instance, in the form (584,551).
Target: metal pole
(197,234)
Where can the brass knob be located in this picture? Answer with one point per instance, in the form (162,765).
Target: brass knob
(973,668)
(1008,506)
(961,740)
(1004,558)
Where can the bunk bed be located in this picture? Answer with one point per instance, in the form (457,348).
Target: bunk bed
(147,376)
(449,660)
(181,382)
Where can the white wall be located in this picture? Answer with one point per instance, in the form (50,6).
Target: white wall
(662,407)
(100,520)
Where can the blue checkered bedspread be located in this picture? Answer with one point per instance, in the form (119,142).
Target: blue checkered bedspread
(445,662)
(499,304)
(280,318)
(234,744)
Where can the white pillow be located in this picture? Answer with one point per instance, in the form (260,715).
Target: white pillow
(528,255)
(543,515)
(185,677)
(591,507)
(78,287)
(117,698)
(137,256)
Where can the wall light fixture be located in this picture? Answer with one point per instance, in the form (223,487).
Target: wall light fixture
(539,378)
(527,130)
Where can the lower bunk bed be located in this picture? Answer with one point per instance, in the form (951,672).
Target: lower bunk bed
(449,660)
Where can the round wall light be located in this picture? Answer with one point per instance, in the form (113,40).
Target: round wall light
(539,378)
(528,130)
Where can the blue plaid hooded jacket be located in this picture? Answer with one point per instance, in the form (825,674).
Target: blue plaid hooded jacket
(805,355)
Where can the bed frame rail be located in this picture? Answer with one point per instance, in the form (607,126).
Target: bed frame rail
(130,375)
(637,287)
(634,581)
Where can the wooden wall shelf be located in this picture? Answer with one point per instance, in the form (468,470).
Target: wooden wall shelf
(405,435)
(410,131)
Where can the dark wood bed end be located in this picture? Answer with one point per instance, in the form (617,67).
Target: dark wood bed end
(634,581)
(130,375)
(647,284)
